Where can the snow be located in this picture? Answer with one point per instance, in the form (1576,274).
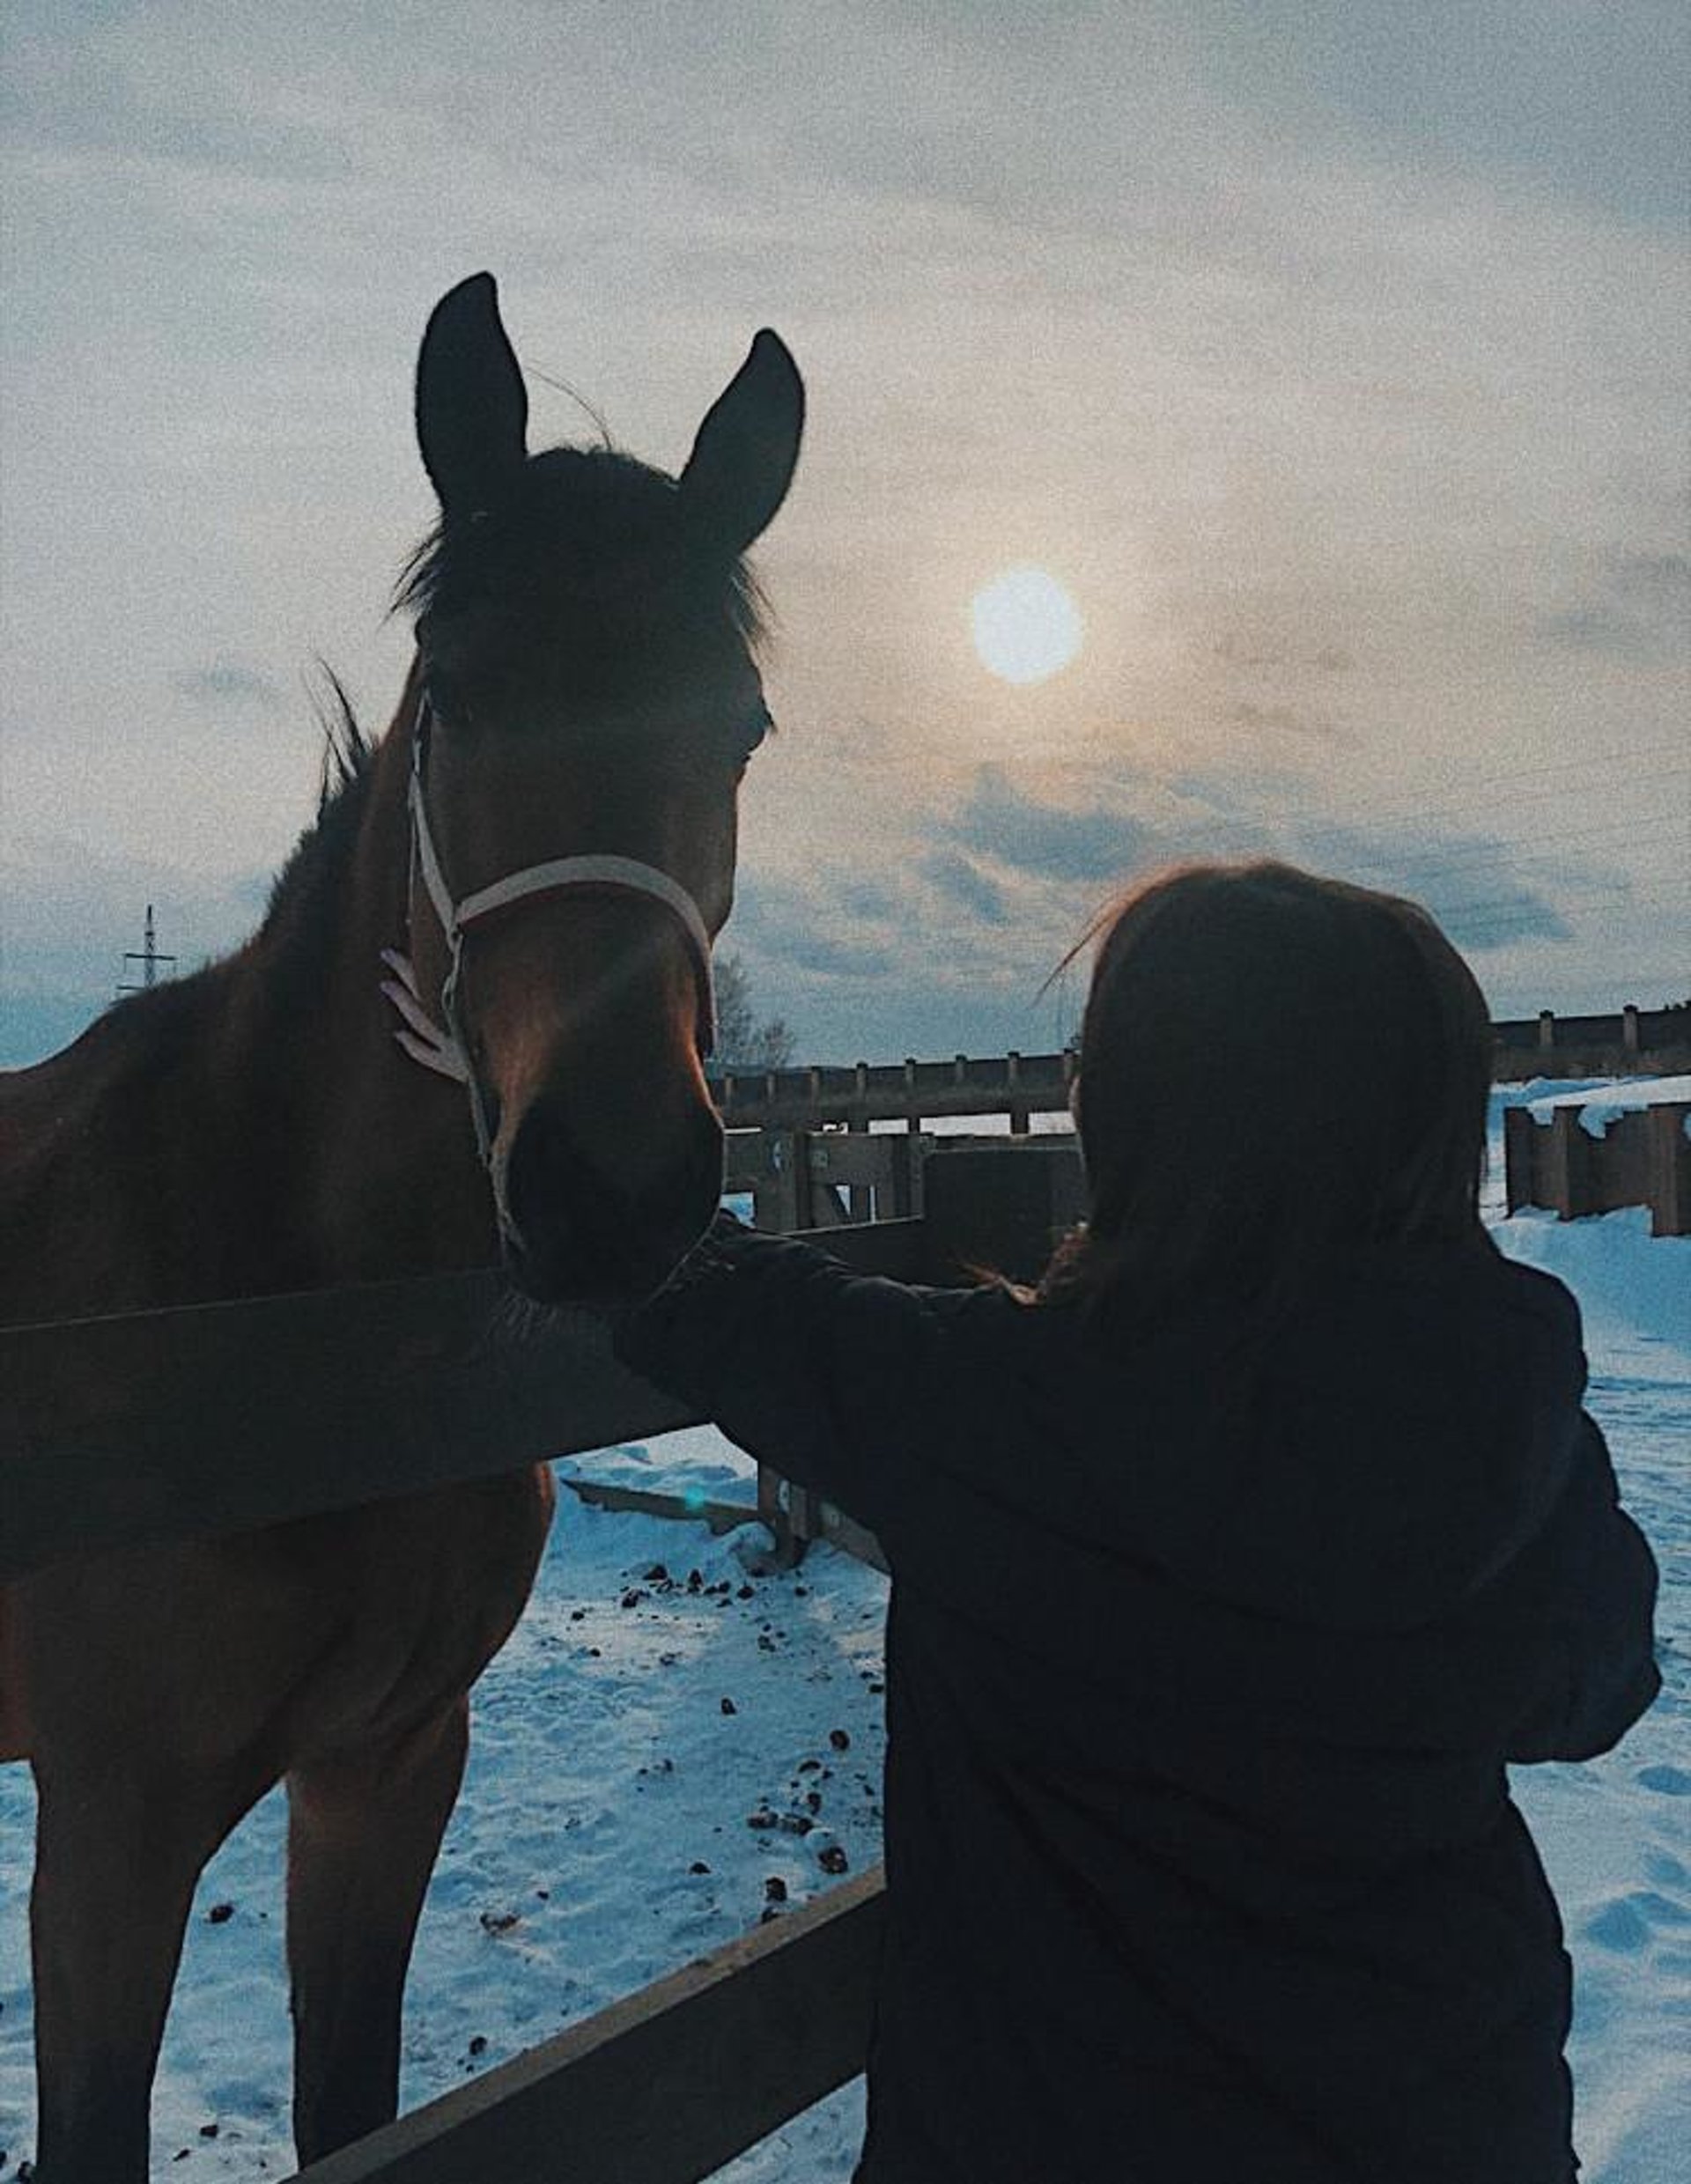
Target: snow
(1600,1106)
(605,1769)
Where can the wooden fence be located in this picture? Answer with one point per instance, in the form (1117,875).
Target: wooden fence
(983,1202)
(911,1092)
(1631,1041)
(116,1432)
(1642,1158)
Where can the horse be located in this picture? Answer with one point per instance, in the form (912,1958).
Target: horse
(538,853)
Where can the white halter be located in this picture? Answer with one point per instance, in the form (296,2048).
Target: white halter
(441,1047)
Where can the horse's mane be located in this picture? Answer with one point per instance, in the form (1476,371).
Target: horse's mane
(342,793)
(583,525)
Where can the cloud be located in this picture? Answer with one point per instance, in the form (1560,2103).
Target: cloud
(1485,892)
(963,881)
(1474,884)
(1255,650)
(228,682)
(1057,843)
(1640,608)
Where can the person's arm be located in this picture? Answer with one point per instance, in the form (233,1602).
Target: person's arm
(835,1379)
(1599,1673)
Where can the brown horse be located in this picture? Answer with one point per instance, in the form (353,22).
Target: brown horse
(541,847)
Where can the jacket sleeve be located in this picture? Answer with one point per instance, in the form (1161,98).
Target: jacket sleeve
(1600,1674)
(838,1380)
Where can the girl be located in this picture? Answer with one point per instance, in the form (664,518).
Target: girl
(1230,1569)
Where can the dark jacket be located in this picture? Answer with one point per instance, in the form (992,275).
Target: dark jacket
(1205,1657)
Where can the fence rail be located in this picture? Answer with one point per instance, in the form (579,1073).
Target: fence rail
(665,2086)
(1017,1085)
(116,1432)
(1629,1042)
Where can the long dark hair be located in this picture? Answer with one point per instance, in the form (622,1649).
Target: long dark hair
(1275,1069)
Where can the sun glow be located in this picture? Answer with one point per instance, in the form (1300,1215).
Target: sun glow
(1025,625)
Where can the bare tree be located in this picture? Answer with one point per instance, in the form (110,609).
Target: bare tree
(742,1041)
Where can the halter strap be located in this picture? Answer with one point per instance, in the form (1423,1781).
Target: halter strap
(441,1048)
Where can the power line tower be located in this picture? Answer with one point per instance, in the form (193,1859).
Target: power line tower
(149,958)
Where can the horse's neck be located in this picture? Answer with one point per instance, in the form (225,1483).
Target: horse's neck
(252,1128)
(387,1161)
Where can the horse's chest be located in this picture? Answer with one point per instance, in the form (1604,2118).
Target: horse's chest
(439,1584)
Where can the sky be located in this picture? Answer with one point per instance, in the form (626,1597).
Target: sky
(1333,355)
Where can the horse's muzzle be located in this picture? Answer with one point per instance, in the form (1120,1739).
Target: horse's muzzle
(580,1233)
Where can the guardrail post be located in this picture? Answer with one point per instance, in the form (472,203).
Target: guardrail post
(1546,1027)
(1629,1027)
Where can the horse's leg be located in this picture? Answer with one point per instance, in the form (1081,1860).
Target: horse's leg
(116,1860)
(363,1830)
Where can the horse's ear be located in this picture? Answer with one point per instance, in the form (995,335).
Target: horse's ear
(472,407)
(741,463)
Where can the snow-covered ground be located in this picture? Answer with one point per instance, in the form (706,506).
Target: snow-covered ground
(672,1740)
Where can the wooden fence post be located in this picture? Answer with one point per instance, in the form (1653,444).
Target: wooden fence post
(781,1200)
(1568,1166)
(860,1197)
(1001,1207)
(1019,1117)
(1669,1159)
(1521,1140)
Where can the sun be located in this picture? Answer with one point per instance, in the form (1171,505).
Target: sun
(1026,626)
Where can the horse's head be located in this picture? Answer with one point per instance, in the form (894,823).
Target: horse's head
(589,700)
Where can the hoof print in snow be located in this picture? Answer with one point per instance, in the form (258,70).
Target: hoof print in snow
(728,1707)
(478,2044)
(498,1922)
(209,2130)
(695,1581)
(633,1597)
(746,1592)
(698,1866)
(762,1818)
(658,1575)
(220,1914)
(833,1860)
(840,1740)
(774,1889)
